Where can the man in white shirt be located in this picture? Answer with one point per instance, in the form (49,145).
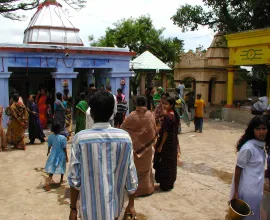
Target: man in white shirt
(109,89)
(89,120)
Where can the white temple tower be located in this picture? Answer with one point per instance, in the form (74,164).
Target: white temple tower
(50,25)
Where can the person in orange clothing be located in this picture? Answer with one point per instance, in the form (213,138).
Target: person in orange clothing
(199,113)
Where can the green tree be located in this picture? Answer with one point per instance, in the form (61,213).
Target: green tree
(9,8)
(230,15)
(139,35)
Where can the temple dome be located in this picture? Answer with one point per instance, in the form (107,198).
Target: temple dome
(50,25)
(218,53)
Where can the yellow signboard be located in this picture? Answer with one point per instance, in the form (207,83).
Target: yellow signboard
(250,55)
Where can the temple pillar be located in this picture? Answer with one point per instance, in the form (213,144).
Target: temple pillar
(4,93)
(142,83)
(268,84)
(164,81)
(103,81)
(115,83)
(62,78)
(230,82)
(126,90)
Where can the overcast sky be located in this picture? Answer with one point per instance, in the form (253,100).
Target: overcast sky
(99,14)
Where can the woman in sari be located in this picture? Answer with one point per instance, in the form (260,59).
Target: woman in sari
(18,117)
(60,112)
(157,96)
(81,109)
(184,111)
(41,101)
(159,110)
(165,161)
(68,100)
(141,126)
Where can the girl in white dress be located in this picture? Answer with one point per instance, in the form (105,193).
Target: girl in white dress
(248,179)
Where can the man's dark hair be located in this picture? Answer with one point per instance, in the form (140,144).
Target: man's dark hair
(59,95)
(102,105)
(91,85)
(141,101)
(199,96)
(82,96)
(109,88)
(15,97)
(119,90)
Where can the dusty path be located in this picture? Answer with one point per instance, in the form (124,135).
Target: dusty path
(201,190)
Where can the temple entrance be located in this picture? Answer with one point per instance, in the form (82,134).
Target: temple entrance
(31,82)
(211,91)
(190,84)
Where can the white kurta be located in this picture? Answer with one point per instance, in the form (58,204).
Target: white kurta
(89,119)
(251,158)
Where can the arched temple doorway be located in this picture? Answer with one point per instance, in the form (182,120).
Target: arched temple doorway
(190,84)
(211,90)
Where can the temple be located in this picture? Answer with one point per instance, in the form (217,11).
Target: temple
(205,72)
(52,55)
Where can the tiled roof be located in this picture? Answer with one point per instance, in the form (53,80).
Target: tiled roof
(147,61)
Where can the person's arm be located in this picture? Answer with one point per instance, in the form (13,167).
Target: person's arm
(164,138)
(131,184)
(74,179)
(243,158)
(49,150)
(237,175)
(65,150)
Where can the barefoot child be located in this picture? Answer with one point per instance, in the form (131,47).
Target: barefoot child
(57,152)
(248,179)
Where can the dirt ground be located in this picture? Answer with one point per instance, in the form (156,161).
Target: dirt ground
(201,190)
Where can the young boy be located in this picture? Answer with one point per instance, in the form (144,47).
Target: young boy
(199,113)
(121,112)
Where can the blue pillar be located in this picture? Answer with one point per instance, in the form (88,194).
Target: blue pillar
(4,93)
(61,77)
(103,81)
(126,90)
(113,85)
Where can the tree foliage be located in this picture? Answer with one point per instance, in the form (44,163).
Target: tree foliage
(139,35)
(230,15)
(9,8)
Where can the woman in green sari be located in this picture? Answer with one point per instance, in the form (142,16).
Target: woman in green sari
(184,115)
(157,96)
(81,109)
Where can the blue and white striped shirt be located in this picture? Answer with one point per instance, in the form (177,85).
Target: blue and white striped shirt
(102,168)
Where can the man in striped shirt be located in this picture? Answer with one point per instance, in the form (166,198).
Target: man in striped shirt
(102,166)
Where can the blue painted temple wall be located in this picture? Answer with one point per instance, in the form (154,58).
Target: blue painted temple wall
(107,68)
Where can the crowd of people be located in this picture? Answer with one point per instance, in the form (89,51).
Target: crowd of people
(126,148)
